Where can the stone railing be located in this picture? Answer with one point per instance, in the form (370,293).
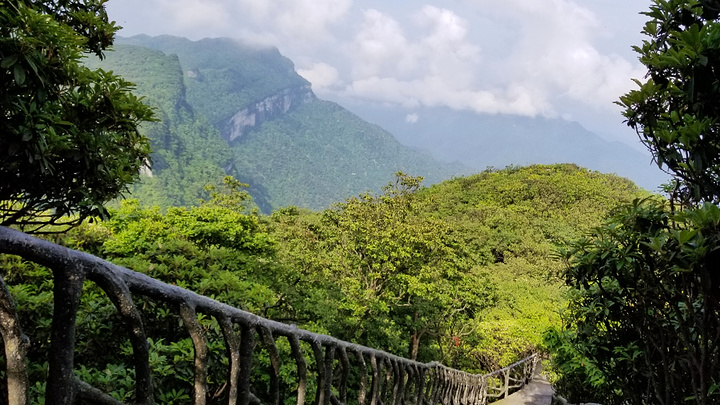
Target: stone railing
(340,369)
(503,382)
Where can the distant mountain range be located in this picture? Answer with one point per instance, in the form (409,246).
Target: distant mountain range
(482,140)
(229,108)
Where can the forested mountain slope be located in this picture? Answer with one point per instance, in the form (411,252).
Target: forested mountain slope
(225,78)
(463,272)
(228,108)
(465,269)
(188,151)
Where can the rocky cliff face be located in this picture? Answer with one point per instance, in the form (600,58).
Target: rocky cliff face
(266,110)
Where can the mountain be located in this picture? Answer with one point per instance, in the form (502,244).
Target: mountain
(188,150)
(236,86)
(227,107)
(483,140)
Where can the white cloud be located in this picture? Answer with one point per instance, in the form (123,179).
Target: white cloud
(528,57)
(321,75)
(412,118)
(433,91)
(308,19)
(448,33)
(447,49)
(258,10)
(196,14)
(437,66)
(557,55)
(380,47)
(272,22)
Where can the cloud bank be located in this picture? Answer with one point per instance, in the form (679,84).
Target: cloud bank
(524,57)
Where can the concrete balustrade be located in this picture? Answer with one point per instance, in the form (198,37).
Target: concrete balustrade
(378,377)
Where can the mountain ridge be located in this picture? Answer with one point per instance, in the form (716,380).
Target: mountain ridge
(232,108)
(218,115)
(482,140)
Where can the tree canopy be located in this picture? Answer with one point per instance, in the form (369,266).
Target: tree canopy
(460,272)
(69,139)
(676,110)
(644,315)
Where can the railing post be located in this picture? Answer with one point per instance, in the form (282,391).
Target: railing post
(329,361)
(420,386)
(507,383)
(61,387)
(247,343)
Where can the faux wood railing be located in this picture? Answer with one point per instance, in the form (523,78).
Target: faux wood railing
(501,383)
(379,377)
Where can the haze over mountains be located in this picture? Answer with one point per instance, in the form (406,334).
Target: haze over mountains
(231,108)
(482,140)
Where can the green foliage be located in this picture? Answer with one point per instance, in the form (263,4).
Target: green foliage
(69,134)
(320,153)
(456,272)
(474,257)
(576,376)
(644,307)
(212,249)
(393,279)
(511,220)
(676,110)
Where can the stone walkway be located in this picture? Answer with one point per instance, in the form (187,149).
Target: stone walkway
(538,392)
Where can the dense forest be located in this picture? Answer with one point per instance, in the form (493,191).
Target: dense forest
(462,272)
(618,286)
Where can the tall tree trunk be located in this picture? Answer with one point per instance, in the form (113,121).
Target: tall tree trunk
(16,347)
(415,345)
(415,338)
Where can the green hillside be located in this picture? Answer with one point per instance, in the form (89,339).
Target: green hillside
(227,108)
(223,75)
(512,221)
(188,152)
(473,258)
(329,151)
(462,272)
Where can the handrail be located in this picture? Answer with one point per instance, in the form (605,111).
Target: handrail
(389,379)
(511,378)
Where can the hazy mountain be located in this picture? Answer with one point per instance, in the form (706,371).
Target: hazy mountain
(225,107)
(229,108)
(480,141)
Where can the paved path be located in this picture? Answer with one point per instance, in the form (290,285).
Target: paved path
(538,392)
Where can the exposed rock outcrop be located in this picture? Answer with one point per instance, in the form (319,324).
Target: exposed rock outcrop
(266,110)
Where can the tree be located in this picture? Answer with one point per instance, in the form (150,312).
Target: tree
(380,272)
(644,313)
(675,111)
(643,324)
(69,139)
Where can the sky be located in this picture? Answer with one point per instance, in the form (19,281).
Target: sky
(566,59)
